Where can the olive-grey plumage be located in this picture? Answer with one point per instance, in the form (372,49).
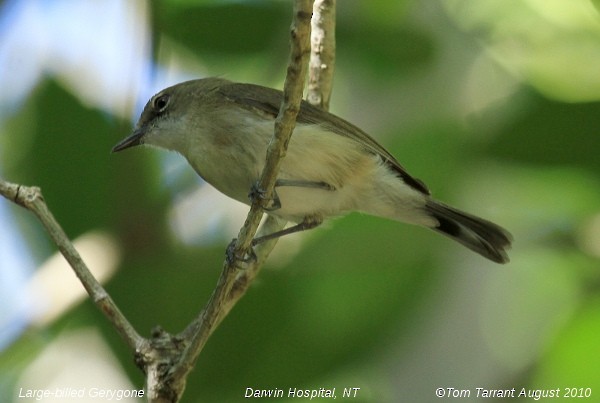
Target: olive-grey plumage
(331,168)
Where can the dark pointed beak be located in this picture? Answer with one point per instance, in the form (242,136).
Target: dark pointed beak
(135,139)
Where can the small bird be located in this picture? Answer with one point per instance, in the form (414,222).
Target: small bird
(331,167)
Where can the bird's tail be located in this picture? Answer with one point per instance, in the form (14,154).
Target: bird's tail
(477,234)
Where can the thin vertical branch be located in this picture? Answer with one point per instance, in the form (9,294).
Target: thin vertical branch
(322,56)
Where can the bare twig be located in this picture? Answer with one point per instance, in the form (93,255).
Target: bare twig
(322,56)
(31,198)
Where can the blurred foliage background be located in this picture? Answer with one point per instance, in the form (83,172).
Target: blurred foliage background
(493,103)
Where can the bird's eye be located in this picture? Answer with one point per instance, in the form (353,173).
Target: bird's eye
(160,103)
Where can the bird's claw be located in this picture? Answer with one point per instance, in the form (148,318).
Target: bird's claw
(257,193)
(235,259)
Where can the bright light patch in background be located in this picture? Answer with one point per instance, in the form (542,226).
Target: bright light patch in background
(206,217)
(542,42)
(53,288)
(15,267)
(589,236)
(97,48)
(101,254)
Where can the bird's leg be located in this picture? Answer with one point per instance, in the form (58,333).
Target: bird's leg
(243,262)
(304,184)
(275,202)
(309,222)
